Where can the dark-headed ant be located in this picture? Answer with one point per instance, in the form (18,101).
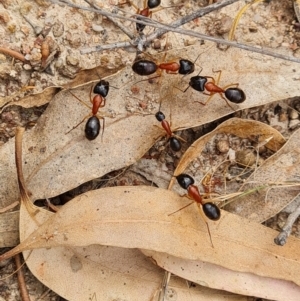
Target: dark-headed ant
(92,126)
(145,12)
(175,144)
(210,210)
(146,67)
(231,92)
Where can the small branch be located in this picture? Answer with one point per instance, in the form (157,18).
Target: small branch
(287,228)
(172,27)
(15,54)
(21,280)
(14,204)
(116,23)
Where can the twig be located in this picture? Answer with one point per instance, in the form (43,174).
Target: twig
(112,19)
(14,204)
(287,228)
(172,27)
(15,54)
(21,280)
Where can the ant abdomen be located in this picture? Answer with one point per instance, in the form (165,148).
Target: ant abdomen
(175,144)
(144,67)
(92,128)
(211,211)
(235,95)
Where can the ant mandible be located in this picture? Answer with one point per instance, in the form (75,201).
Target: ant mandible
(202,83)
(93,126)
(175,144)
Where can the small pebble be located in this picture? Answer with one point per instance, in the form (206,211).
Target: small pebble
(245,157)
(98,28)
(223,146)
(58,29)
(282,117)
(293,123)
(293,114)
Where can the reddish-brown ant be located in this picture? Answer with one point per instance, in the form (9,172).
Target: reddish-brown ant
(145,67)
(210,210)
(231,91)
(149,5)
(93,126)
(175,144)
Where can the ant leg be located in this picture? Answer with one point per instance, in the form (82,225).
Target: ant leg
(231,85)
(211,95)
(228,104)
(219,76)
(80,100)
(205,220)
(178,137)
(91,99)
(103,123)
(79,123)
(189,204)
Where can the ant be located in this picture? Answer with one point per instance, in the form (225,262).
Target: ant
(210,210)
(145,12)
(93,126)
(145,67)
(202,83)
(175,144)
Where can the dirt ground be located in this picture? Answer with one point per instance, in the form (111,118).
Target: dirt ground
(51,38)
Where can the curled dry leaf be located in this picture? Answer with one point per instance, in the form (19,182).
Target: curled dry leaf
(214,276)
(278,175)
(138,217)
(52,156)
(235,126)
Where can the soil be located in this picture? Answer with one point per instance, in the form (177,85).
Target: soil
(50,37)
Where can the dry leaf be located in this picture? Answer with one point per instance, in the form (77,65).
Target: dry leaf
(281,168)
(235,126)
(137,217)
(217,277)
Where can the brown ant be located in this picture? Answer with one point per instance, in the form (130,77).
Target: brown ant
(210,210)
(93,126)
(202,83)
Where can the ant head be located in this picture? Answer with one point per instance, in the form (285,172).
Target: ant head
(211,211)
(101,88)
(198,83)
(160,116)
(184,180)
(153,3)
(235,95)
(186,67)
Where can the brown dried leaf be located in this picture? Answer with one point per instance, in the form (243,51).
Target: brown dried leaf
(137,217)
(217,277)
(281,168)
(235,126)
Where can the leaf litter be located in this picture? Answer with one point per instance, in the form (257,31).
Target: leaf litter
(136,217)
(47,145)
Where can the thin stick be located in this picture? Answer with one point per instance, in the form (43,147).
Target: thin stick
(287,228)
(115,11)
(172,27)
(21,280)
(15,54)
